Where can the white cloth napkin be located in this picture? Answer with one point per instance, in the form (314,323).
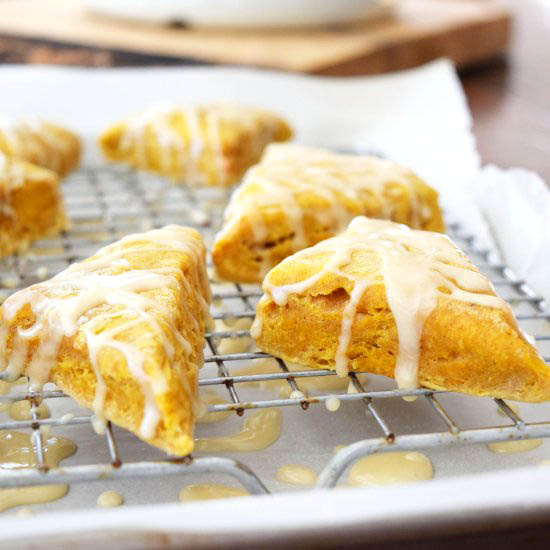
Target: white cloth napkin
(516,205)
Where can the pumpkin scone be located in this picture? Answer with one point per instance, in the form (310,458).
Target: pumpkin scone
(407,304)
(210,144)
(298,196)
(121,332)
(41,143)
(31,205)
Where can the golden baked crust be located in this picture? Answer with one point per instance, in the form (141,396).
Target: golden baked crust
(465,344)
(206,144)
(31,205)
(121,332)
(41,143)
(298,196)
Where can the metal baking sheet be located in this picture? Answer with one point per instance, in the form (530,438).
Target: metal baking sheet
(105,203)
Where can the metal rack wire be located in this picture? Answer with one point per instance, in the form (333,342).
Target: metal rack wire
(137,202)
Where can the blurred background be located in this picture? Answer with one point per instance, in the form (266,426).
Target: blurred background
(500,47)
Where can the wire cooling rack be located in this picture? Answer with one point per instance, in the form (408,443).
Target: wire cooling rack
(106,203)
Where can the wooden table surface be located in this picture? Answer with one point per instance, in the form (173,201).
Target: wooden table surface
(509,98)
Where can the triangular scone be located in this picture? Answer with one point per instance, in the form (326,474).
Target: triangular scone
(41,143)
(31,205)
(385,299)
(298,196)
(206,144)
(121,332)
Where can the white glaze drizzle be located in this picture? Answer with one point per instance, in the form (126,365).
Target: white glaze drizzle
(181,153)
(158,121)
(308,385)
(210,491)
(61,305)
(287,172)
(259,431)
(416,268)
(12,176)
(296,474)
(516,446)
(17,450)
(332,404)
(15,234)
(210,397)
(110,499)
(33,139)
(213,128)
(393,467)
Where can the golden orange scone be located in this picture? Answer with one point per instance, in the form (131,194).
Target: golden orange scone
(386,299)
(121,332)
(31,205)
(204,144)
(41,143)
(297,196)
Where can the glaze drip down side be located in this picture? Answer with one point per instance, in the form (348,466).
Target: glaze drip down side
(297,196)
(390,300)
(209,144)
(135,313)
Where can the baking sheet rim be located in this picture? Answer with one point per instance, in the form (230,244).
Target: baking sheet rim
(465,504)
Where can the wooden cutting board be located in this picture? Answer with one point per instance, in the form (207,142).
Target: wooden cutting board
(466,31)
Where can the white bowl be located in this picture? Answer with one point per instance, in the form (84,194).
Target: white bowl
(243,13)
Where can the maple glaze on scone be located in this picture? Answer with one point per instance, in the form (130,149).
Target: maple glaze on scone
(31,205)
(386,299)
(41,143)
(209,144)
(122,333)
(298,196)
